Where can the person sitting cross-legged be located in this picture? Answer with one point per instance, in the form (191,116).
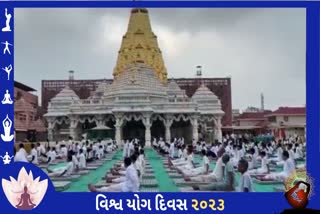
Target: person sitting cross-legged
(131,182)
(202,170)
(227,183)
(214,176)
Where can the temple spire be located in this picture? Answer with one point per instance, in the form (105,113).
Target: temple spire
(140,44)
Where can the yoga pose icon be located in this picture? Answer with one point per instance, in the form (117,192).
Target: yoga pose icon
(7,123)
(8,17)
(7,158)
(7,98)
(25,201)
(6,48)
(8,69)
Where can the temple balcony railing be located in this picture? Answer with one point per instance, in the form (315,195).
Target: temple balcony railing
(87,102)
(175,105)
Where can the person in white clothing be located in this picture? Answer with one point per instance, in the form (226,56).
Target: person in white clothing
(179,153)
(182,159)
(131,149)
(62,171)
(203,169)
(252,159)
(236,155)
(57,147)
(142,162)
(214,176)
(137,164)
(288,168)
(131,182)
(298,154)
(82,160)
(20,156)
(51,154)
(109,148)
(63,151)
(74,160)
(34,154)
(189,164)
(125,148)
(41,151)
(290,151)
(279,152)
(245,181)
(171,150)
(84,148)
(264,169)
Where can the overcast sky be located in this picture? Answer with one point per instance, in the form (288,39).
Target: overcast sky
(263,50)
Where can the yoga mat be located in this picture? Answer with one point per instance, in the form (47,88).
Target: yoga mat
(165,183)
(94,176)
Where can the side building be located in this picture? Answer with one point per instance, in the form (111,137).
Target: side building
(28,126)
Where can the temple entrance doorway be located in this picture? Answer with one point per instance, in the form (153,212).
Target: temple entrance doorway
(182,129)
(133,129)
(157,130)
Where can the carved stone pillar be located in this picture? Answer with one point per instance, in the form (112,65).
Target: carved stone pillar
(50,129)
(218,131)
(119,121)
(73,128)
(168,123)
(194,123)
(147,124)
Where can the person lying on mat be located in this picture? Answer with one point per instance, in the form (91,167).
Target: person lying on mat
(202,170)
(227,183)
(288,168)
(62,171)
(131,182)
(214,176)
(245,181)
(264,169)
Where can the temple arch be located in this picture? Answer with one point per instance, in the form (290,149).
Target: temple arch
(133,129)
(182,127)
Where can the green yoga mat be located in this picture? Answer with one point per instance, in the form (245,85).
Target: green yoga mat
(94,176)
(165,183)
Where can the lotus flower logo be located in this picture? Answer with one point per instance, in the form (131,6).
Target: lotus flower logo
(25,193)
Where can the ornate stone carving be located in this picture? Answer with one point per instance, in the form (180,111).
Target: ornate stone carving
(138,44)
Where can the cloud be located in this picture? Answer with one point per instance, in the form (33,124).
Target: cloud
(263,50)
